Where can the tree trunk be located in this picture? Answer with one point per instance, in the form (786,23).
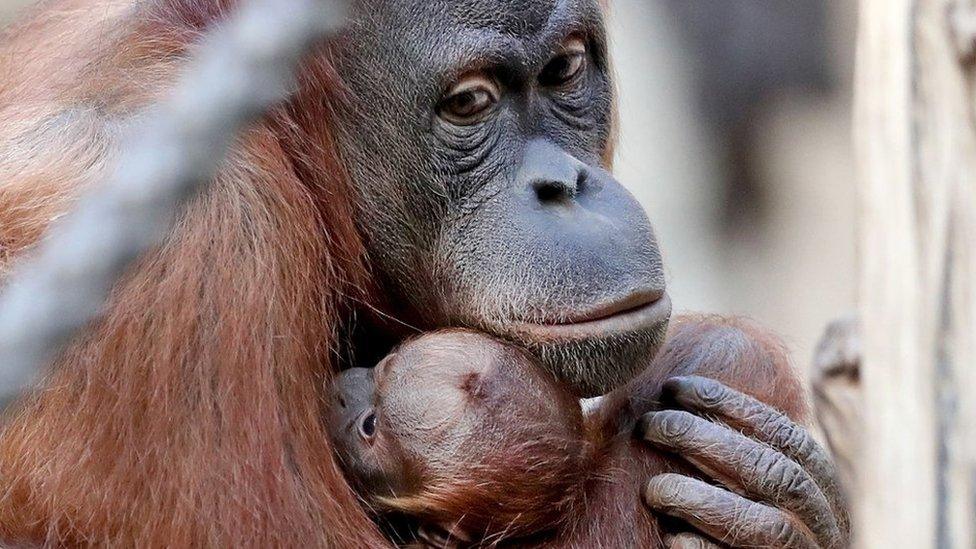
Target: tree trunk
(916,140)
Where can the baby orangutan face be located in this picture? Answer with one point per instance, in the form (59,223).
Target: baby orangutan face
(460,431)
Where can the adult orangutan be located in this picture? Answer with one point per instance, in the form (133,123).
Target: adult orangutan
(443,163)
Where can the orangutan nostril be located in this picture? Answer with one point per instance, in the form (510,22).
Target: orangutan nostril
(552,191)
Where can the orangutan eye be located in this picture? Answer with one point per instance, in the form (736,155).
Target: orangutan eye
(566,66)
(367,427)
(469,101)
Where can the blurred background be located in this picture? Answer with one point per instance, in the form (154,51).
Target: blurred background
(735,135)
(8,8)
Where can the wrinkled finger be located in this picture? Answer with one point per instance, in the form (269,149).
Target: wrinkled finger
(725,516)
(746,465)
(766,424)
(686,540)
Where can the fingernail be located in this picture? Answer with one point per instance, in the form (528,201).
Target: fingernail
(709,391)
(670,389)
(660,490)
(665,426)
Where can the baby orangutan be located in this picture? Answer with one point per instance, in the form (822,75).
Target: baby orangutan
(467,436)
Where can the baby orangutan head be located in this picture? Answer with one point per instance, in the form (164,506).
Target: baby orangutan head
(462,432)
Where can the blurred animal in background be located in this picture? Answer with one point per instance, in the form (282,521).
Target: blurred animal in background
(747,53)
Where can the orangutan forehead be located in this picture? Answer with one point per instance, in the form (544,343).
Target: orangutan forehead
(516,18)
(438,40)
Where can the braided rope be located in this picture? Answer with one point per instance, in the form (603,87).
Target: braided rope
(245,66)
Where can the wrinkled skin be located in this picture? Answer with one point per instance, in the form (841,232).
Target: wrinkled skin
(478,132)
(783,485)
(505,220)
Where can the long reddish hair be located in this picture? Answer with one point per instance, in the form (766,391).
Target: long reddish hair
(189,415)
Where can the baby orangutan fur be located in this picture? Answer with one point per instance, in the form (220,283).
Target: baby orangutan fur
(471,439)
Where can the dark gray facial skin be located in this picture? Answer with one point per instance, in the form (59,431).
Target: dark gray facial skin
(477,132)
(374,467)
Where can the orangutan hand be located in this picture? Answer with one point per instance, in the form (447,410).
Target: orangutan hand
(781,486)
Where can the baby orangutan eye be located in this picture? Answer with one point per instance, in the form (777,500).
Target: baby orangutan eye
(367,426)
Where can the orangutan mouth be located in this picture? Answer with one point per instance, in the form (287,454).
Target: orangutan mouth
(637,312)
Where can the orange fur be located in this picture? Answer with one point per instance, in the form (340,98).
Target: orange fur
(736,351)
(741,354)
(190,415)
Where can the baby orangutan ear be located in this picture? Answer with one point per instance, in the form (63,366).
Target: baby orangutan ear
(450,536)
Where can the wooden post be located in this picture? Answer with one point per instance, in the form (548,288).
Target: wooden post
(916,139)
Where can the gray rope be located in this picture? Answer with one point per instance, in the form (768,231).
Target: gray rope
(245,66)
